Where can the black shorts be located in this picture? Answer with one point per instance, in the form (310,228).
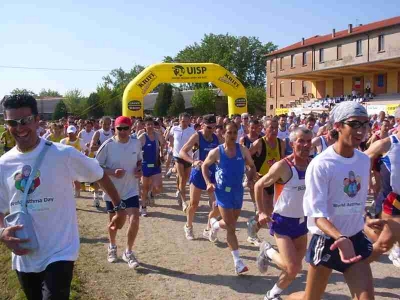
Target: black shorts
(132,202)
(319,253)
(183,162)
(269,190)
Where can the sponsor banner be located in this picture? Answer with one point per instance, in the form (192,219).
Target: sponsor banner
(375,109)
(134,105)
(240,102)
(281,111)
(390,108)
(229,79)
(189,72)
(145,83)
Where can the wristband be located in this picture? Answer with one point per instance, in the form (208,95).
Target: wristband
(342,236)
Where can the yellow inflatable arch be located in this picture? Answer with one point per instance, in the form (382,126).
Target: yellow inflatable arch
(149,78)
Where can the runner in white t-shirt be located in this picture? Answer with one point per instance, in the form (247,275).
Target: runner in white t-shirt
(121,159)
(87,135)
(334,202)
(47,272)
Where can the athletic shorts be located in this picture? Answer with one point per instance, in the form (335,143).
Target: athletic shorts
(391,204)
(291,227)
(132,202)
(318,252)
(196,177)
(183,162)
(229,200)
(269,190)
(150,170)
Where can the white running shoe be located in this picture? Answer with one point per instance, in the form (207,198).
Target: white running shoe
(184,206)
(188,233)
(96,199)
(240,267)
(395,258)
(130,258)
(213,234)
(262,259)
(268,296)
(143,211)
(254,240)
(169,173)
(112,254)
(206,233)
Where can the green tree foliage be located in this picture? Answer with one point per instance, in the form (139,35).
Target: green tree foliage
(60,111)
(243,56)
(256,99)
(163,100)
(94,106)
(75,102)
(49,93)
(203,101)
(22,91)
(178,104)
(111,101)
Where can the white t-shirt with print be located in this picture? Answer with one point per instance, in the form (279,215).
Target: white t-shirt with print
(115,155)
(51,202)
(337,189)
(180,136)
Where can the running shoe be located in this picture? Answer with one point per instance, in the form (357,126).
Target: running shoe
(169,173)
(112,254)
(130,258)
(143,212)
(395,258)
(262,259)
(206,233)
(188,233)
(240,267)
(212,236)
(268,296)
(96,201)
(254,240)
(184,206)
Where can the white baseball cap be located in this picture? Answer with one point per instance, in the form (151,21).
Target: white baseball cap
(71,129)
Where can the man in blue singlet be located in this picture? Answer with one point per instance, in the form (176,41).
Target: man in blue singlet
(204,140)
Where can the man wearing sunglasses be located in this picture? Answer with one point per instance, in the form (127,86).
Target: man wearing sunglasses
(45,273)
(121,159)
(205,140)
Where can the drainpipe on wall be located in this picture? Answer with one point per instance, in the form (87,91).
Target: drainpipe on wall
(368,48)
(276,82)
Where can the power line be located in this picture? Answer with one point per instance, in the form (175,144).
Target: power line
(53,69)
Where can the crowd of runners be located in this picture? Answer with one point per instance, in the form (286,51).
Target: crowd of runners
(304,173)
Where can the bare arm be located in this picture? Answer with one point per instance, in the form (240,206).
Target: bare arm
(316,144)
(251,172)
(256,147)
(93,144)
(378,148)
(183,153)
(212,157)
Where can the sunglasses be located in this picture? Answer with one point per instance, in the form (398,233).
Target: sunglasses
(357,124)
(123,128)
(23,122)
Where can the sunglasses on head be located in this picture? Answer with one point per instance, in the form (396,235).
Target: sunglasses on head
(123,128)
(356,124)
(24,121)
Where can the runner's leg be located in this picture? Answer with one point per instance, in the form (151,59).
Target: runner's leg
(317,280)
(195,194)
(133,226)
(359,279)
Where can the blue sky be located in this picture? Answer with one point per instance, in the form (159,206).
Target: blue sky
(104,35)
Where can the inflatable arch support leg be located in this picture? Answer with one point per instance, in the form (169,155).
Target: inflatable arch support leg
(152,76)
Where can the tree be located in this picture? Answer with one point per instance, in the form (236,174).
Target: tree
(23,91)
(49,93)
(243,56)
(203,101)
(60,111)
(94,106)
(74,101)
(163,100)
(256,99)
(178,104)
(118,79)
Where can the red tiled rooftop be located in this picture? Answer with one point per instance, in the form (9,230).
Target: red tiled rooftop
(338,35)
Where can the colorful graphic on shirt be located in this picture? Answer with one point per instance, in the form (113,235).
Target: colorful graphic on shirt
(21,179)
(352,184)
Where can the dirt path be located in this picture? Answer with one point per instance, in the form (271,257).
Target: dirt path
(174,268)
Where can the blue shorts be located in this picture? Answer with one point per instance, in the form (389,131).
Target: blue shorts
(290,227)
(150,171)
(132,202)
(319,252)
(229,200)
(196,177)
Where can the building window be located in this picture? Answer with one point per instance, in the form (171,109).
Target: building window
(304,58)
(271,107)
(292,88)
(381,43)
(359,48)
(381,80)
(321,55)
(271,64)
(271,89)
(281,63)
(281,105)
(292,61)
(303,88)
(339,52)
(281,86)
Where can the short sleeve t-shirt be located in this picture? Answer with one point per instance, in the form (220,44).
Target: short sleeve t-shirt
(115,155)
(180,136)
(337,189)
(78,144)
(51,200)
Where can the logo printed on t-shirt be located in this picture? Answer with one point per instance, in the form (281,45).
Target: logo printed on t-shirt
(352,184)
(21,179)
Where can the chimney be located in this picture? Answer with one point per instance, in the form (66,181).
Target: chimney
(333,32)
(302,41)
(350,30)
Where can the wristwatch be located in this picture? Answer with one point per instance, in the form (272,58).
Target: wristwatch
(120,206)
